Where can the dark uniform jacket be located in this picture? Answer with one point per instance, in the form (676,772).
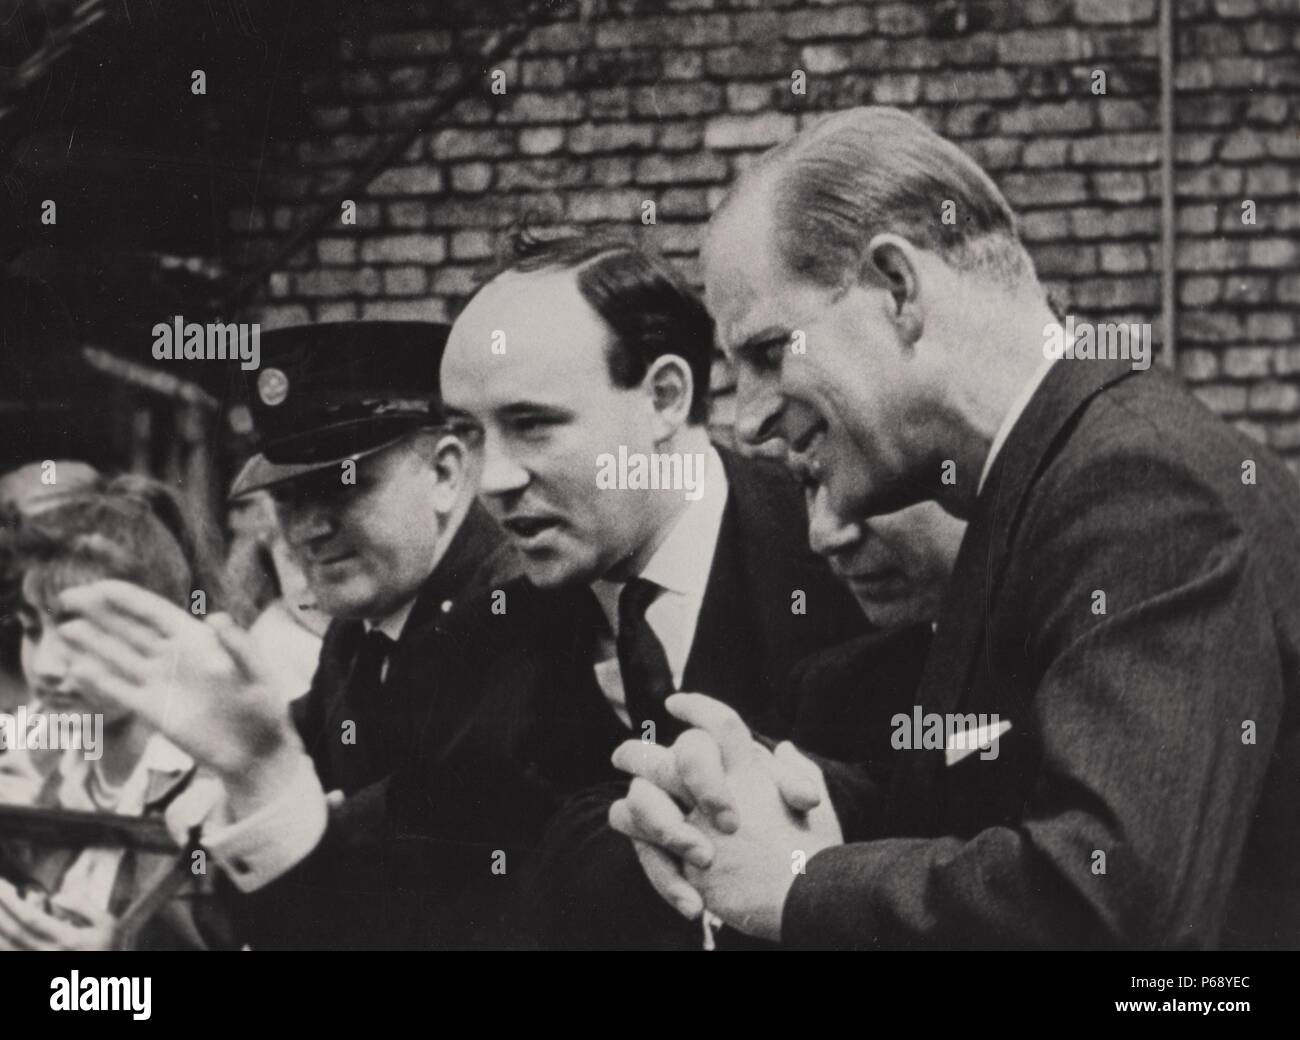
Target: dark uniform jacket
(1127,596)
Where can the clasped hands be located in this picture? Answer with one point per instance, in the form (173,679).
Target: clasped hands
(718,821)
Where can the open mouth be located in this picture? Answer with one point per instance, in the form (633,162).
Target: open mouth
(527,528)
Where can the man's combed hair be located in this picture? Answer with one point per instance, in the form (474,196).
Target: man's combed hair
(638,294)
(858,173)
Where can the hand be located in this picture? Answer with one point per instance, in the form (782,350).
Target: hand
(26,925)
(202,684)
(755,817)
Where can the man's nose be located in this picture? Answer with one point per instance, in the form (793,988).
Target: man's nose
(304,522)
(828,533)
(501,473)
(758,407)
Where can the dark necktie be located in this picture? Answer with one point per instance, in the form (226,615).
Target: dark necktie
(370,708)
(647,679)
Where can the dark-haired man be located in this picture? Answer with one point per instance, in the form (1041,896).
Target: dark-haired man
(585,362)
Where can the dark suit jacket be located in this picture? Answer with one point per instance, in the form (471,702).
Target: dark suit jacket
(585,888)
(1131,728)
(381,861)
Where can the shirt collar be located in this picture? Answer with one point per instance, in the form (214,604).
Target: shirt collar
(392,624)
(1009,420)
(684,558)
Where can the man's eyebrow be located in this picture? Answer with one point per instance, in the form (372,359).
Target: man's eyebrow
(764,337)
(517,408)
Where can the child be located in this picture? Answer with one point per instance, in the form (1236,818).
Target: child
(133,529)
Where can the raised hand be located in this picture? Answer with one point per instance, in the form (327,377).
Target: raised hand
(200,683)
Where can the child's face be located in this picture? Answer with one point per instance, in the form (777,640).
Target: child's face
(46,657)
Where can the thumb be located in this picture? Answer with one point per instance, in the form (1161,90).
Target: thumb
(797,778)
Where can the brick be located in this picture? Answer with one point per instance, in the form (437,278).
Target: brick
(690,31)
(1208,41)
(825,58)
(1119,258)
(454,280)
(748,97)
(703,167)
(553,107)
(1223,398)
(730,132)
(900,20)
(1216,254)
(1284,437)
(1066,260)
(557,172)
(405,281)
(1252,429)
(677,99)
(425,249)
(734,62)
(609,103)
(1108,294)
(812,24)
(1125,114)
(1199,290)
(1235,8)
(336,250)
(1266,37)
(683,203)
(280,316)
(1269,109)
(1044,226)
(407,180)
(903,88)
(407,214)
(428,309)
(1044,188)
(471,245)
(559,38)
(611,171)
(1252,289)
(1274,398)
(1244,144)
(682,64)
(1119,186)
(679,137)
(1270,181)
(964,85)
(1065,117)
(996,153)
(1202,326)
(544,73)
(471,178)
(1270,326)
(622,205)
(1042,46)
(1197,365)
(1117,150)
(1193,149)
(362,281)
(1274,252)
(1047,151)
(1197,220)
(1215,181)
(541,140)
(610,137)
(1287,361)
(1132,222)
(1115,12)
(472,144)
(336,310)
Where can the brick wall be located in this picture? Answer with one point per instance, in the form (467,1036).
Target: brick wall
(611,103)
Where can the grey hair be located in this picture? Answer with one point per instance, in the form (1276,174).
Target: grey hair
(857,173)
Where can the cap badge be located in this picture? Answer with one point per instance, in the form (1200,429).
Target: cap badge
(272,386)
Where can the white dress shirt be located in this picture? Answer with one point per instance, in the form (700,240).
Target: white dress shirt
(1013,415)
(680,567)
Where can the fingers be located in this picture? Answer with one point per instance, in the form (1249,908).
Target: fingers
(797,778)
(665,877)
(124,609)
(89,673)
(22,924)
(651,762)
(699,766)
(719,721)
(648,814)
(118,656)
(238,644)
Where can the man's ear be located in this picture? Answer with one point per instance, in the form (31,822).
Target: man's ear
(448,457)
(671,387)
(893,261)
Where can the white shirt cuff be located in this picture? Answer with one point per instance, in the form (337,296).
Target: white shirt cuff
(258,849)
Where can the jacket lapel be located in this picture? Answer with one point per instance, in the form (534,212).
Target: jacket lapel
(960,647)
